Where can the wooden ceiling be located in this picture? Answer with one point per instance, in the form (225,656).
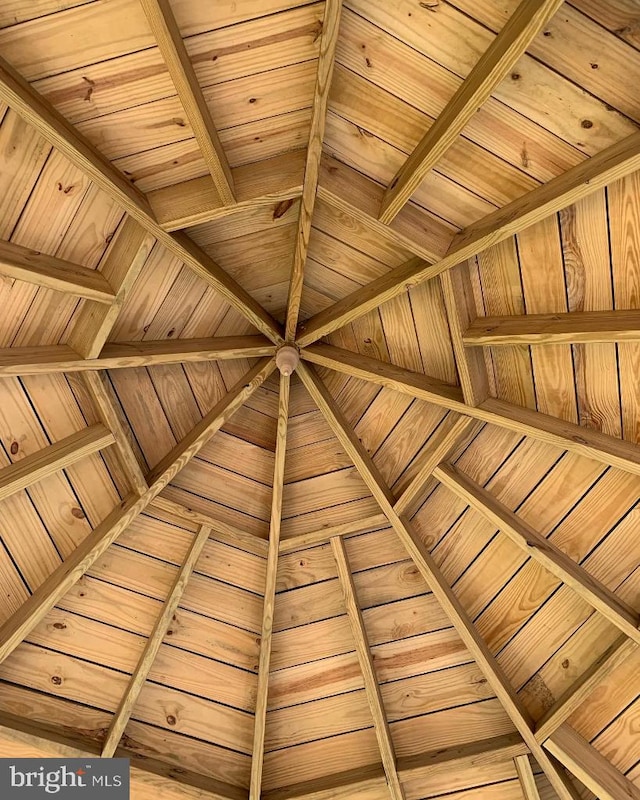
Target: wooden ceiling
(410,570)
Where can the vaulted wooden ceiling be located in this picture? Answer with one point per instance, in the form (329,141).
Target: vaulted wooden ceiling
(412,568)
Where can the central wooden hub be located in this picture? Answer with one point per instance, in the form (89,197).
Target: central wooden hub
(287,359)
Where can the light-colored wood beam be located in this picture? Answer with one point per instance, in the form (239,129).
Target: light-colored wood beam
(325,534)
(121,266)
(148,656)
(576,327)
(566,435)
(541,550)
(52,459)
(509,45)
(526,778)
(427,567)
(448,437)
(460,306)
(120,355)
(590,766)
(31,266)
(23,621)
(41,115)
(220,531)
(580,181)
(274,182)
(101,394)
(167,34)
(257,759)
(580,690)
(326,57)
(363,651)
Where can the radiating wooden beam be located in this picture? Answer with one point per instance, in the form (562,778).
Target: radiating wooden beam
(31,266)
(526,778)
(580,181)
(106,405)
(363,651)
(220,531)
(121,266)
(576,327)
(257,760)
(120,355)
(52,459)
(326,57)
(24,620)
(427,567)
(580,690)
(167,34)
(447,438)
(41,115)
(566,435)
(148,656)
(509,45)
(542,550)
(274,182)
(590,766)
(460,306)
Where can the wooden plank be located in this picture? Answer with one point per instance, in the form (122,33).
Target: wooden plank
(57,456)
(326,57)
(270,182)
(121,266)
(566,435)
(107,407)
(423,560)
(31,266)
(600,170)
(576,695)
(52,126)
(372,689)
(257,761)
(96,543)
(120,355)
(148,656)
(512,41)
(458,299)
(590,766)
(578,327)
(542,550)
(174,52)
(526,778)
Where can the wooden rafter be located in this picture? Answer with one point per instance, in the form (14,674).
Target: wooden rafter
(274,182)
(578,692)
(526,778)
(458,617)
(566,435)
(257,760)
(167,35)
(509,45)
(41,115)
(31,266)
(121,266)
(119,355)
(580,181)
(148,656)
(101,394)
(542,550)
(460,306)
(590,766)
(20,624)
(51,459)
(580,327)
(326,57)
(363,651)
(325,534)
